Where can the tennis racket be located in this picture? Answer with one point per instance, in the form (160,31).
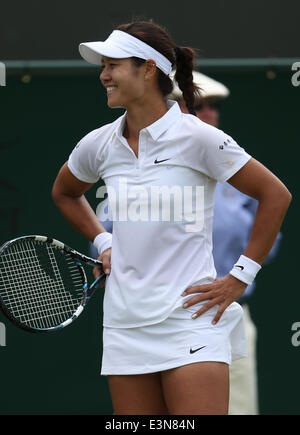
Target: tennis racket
(43,285)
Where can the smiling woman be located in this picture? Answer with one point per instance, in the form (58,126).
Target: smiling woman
(170,327)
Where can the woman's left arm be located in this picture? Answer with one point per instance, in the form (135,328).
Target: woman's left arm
(273,197)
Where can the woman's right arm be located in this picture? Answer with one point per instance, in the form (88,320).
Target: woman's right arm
(68,194)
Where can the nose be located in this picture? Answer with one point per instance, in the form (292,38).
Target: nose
(104,76)
(101,76)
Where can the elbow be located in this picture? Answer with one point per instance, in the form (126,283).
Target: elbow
(66,187)
(286,198)
(278,199)
(289,195)
(281,201)
(60,195)
(56,194)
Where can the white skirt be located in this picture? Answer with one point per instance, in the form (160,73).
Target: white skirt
(177,341)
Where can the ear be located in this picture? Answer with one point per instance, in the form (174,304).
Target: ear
(150,69)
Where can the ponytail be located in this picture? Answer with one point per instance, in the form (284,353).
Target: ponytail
(184,76)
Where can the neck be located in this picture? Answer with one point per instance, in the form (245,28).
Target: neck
(142,115)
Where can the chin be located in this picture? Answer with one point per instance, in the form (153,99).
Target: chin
(115,104)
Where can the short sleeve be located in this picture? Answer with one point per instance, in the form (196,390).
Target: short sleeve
(223,156)
(83,162)
(214,153)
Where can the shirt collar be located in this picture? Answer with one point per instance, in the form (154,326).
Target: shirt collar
(163,124)
(120,126)
(158,127)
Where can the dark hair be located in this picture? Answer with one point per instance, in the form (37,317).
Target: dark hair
(183,57)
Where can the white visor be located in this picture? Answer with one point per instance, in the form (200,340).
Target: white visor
(121,45)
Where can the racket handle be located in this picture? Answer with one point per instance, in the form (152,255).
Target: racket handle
(99,279)
(95,285)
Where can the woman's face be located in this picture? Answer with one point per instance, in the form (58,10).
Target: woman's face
(124,82)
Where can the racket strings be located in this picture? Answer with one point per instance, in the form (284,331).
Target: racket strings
(40,285)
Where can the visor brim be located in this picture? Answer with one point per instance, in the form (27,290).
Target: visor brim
(92,52)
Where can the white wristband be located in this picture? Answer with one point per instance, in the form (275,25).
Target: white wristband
(245,269)
(103,241)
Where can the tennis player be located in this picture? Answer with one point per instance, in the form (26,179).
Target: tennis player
(171,329)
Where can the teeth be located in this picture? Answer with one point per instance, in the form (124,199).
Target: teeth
(110,88)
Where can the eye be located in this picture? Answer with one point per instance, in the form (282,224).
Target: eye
(107,65)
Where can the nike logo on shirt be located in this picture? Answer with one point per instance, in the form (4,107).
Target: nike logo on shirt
(160,161)
(241,267)
(196,350)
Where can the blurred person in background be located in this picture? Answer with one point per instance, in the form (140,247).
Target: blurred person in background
(234,214)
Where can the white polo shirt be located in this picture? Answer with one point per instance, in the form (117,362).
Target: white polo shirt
(162,204)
